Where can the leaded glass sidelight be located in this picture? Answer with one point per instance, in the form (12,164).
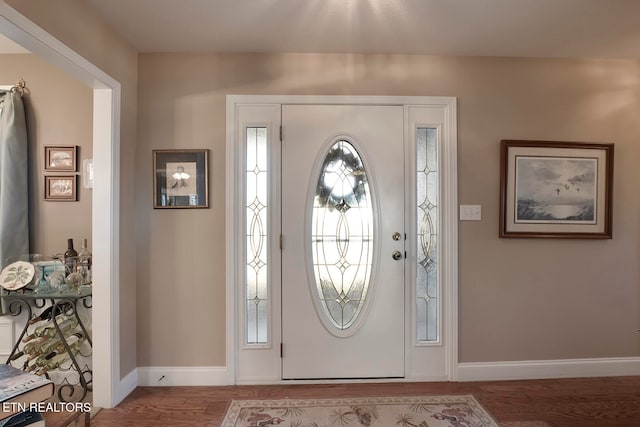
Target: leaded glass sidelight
(342,236)
(427,290)
(256,290)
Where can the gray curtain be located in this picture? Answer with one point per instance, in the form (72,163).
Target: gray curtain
(14,191)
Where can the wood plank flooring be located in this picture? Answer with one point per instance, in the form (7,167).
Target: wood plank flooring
(584,402)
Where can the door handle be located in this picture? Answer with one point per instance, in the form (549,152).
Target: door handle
(396,255)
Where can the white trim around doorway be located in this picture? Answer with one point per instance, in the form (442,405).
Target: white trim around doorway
(108,388)
(234,215)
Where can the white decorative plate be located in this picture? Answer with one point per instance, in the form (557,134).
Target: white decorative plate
(16,275)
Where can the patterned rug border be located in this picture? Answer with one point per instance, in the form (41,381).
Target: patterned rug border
(236,406)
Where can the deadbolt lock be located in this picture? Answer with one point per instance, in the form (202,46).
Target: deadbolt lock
(396,236)
(396,255)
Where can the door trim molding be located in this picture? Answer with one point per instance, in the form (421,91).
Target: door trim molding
(109,389)
(234,214)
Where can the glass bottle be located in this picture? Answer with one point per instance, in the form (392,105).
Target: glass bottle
(48,330)
(32,345)
(84,261)
(70,256)
(17,356)
(55,342)
(50,345)
(73,342)
(51,363)
(65,326)
(49,312)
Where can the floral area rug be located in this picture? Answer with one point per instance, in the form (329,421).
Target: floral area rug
(417,411)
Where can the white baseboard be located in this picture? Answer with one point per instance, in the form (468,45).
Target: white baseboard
(479,371)
(538,369)
(182,376)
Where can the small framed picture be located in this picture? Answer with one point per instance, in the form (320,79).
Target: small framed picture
(57,158)
(180,179)
(556,189)
(60,188)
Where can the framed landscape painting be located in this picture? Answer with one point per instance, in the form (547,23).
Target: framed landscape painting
(58,158)
(60,188)
(556,189)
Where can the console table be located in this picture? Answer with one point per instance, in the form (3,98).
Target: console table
(18,303)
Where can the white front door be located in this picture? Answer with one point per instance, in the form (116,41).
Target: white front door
(343,246)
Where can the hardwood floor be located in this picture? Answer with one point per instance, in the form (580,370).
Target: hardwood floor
(584,402)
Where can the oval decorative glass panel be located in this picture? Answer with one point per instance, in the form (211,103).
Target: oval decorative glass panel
(342,237)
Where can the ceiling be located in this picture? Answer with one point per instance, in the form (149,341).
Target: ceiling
(524,28)
(530,28)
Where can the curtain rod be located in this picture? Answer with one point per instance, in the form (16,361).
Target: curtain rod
(19,87)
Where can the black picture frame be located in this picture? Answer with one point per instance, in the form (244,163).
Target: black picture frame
(180,179)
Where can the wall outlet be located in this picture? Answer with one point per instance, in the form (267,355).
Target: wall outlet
(470,212)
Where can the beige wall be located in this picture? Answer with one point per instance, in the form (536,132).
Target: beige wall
(59,111)
(75,24)
(520,299)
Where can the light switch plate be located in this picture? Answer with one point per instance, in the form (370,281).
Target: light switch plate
(470,212)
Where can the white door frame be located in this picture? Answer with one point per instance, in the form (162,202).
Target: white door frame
(108,389)
(234,214)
